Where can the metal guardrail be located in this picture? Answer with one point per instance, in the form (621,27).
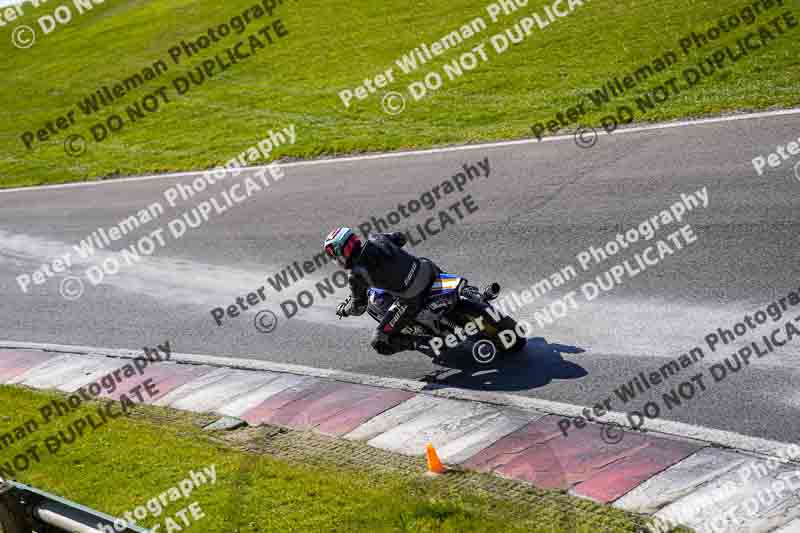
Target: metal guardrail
(24,509)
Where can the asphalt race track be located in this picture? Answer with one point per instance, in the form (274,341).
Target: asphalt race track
(541,205)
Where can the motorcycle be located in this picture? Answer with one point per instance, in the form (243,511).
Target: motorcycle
(453,307)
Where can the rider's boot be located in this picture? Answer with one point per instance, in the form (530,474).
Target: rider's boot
(412,342)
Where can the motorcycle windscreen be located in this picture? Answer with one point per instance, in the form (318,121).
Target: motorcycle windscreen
(379,302)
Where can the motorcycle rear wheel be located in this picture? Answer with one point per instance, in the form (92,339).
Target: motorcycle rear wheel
(467,311)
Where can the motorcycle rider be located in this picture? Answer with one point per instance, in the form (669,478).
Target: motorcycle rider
(381,262)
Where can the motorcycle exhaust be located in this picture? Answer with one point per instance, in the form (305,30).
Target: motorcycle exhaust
(491,292)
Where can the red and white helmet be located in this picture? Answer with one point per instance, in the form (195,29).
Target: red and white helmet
(341,244)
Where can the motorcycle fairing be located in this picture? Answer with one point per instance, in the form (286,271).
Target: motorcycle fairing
(442,297)
(379,302)
(445,283)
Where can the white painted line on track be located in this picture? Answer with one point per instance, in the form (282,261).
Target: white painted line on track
(446,149)
(710,436)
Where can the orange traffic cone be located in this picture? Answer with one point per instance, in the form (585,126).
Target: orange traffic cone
(435,466)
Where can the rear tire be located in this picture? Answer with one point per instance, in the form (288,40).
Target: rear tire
(9,517)
(468,311)
(508,323)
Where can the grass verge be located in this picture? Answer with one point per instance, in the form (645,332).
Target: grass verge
(308,483)
(333,46)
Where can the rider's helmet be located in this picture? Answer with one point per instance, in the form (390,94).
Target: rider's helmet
(342,245)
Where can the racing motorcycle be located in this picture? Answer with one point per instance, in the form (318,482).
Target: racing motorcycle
(453,305)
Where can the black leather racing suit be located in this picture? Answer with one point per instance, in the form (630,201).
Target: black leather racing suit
(384,264)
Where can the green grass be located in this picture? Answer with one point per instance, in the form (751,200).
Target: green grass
(332,46)
(132,460)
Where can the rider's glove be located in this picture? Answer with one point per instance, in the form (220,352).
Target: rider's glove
(351,307)
(355,307)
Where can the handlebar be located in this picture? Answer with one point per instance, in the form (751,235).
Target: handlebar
(340,310)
